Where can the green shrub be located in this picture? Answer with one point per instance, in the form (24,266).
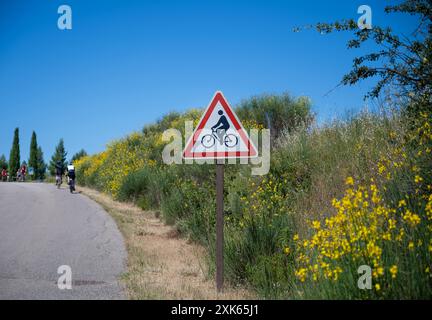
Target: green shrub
(277,112)
(271,275)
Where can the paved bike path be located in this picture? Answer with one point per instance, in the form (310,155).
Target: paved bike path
(42,228)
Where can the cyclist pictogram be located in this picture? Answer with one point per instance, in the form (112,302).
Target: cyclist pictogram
(219,133)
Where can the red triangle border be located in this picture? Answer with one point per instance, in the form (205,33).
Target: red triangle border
(219,98)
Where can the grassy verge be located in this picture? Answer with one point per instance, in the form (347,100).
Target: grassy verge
(161,264)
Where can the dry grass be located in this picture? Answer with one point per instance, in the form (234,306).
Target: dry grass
(161,264)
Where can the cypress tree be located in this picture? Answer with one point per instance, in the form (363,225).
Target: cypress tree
(33,163)
(41,165)
(14,159)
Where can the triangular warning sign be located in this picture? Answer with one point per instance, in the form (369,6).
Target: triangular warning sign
(219,134)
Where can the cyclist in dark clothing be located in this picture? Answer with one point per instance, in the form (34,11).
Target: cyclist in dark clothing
(71,172)
(71,177)
(59,170)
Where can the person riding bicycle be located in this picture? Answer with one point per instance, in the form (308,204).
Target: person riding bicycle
(23,172)
(59,169)
(4,174)
(71,176)
(221,127)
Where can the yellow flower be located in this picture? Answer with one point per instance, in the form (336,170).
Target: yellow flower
(301,274)
(387,236)
(393,271)
(349,181)
(287,250)
(378,272)
(411,245)
(418,179)
(402,203)
(412,218)
(316,225)
(401,234)
(391,224)
(377,287)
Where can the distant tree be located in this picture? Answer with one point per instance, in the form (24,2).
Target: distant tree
(402,65)
(41,165)
(3,162)
(276,112)
(59,155)
(80,154)
(33,163)
(14,159)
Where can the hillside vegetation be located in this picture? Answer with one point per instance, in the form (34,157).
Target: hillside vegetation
(338,196)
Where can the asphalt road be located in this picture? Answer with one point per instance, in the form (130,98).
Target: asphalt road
(42,228)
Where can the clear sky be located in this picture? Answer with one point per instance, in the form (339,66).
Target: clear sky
(126,63)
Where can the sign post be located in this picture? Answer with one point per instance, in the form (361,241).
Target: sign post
(219,135)
(219,226)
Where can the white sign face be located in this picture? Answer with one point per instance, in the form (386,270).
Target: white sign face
(219,134)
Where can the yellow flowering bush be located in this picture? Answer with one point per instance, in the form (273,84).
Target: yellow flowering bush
(371,226)
(107,169)
(264,199)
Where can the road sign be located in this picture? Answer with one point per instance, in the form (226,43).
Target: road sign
(219,134)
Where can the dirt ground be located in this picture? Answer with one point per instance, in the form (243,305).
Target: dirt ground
(161,264)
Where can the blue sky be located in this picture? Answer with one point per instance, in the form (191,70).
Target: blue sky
(126,63)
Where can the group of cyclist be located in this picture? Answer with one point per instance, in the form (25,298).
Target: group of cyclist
(70,174)
(60,170)
(20,174)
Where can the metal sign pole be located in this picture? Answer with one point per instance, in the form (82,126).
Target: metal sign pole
(219,226)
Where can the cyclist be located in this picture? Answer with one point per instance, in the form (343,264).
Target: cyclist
(221,127)
(23,172)
(71,177)
(4,174)
(59,169)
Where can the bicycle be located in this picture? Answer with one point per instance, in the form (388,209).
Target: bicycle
(71,183)
(229,140)
(58,181)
